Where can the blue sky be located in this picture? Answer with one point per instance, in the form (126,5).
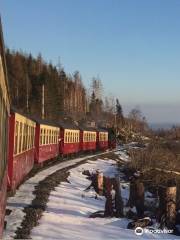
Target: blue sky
(133,45)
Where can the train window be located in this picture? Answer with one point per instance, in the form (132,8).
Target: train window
(65,136)
(68,138)
(52,136)
(49,137)
(23,137)
(43,142)
(20,137)
(73,140)
(72,136)
(33,137)
(30,137)
(51,131)
(48,133)
(27,137)
(16,137)
(56,138)
(45,136)
(41,136)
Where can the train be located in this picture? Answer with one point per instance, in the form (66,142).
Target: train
(37,141)
(4,116)
(26,141)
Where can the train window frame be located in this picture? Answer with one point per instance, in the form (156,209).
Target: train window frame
(16,138)
(20,137)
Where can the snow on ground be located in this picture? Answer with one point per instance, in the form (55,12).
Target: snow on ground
(69,207)
(122,155)
(24,196)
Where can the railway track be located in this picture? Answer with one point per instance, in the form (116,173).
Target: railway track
(25,208)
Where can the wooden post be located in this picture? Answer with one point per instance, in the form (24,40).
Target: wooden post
(167,205)
(139,200)
(132,192)
(118,198)
(108,205)
(171,205)
(162,205)
(100,183)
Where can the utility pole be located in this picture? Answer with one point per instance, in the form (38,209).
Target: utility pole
(43,101)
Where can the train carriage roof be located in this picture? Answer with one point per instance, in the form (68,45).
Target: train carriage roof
(90,129)
(68,125)
(102,130)
(35,119)
(46,122)
(15,110)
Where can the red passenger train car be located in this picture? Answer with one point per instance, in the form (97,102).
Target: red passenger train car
(102,139)
(88,139)
(4,114)
(46,141)
(69,139)
(21,148)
